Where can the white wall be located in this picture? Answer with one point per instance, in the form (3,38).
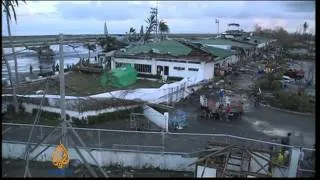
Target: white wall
(108,157)
(156,117)
(181,73)
(209,70)
(75,114)
(201,73)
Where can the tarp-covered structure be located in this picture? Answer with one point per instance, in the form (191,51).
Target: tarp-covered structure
(123,76)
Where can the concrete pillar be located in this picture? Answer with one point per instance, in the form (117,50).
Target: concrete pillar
(202,75)
(294,160)
(166,117)
(153,67)
(113,64)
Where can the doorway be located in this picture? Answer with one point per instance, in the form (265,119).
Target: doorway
(166,70)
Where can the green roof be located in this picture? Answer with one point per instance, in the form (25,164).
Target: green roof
(225,42)
(218,51)
(163,47)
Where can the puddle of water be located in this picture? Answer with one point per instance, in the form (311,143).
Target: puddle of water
(276,132)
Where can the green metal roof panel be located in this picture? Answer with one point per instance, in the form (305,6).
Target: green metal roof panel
(164,47)
(225,42)
(218,51)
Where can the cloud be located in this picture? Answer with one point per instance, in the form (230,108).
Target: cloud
(300,6)
(106,10)
(53,17)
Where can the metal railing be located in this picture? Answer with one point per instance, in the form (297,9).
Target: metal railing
(145,141)
(224,137)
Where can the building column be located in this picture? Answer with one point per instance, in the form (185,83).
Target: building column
(113,64)
(203,75)
(153,66)
(294,159)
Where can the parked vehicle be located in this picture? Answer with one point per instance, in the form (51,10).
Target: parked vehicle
(211,109)
(287,79)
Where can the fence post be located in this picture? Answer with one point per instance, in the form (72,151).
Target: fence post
(99,138)
(41,135)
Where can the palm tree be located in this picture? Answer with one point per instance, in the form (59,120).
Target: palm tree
(163,28)
(305,27)
(132,31)
(110,43)
(9,8)
(151,21)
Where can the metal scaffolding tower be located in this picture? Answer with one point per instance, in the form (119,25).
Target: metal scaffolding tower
(65,125)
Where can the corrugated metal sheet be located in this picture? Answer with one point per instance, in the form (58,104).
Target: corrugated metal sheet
(171,47)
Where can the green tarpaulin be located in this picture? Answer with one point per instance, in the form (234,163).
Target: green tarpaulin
(123,76)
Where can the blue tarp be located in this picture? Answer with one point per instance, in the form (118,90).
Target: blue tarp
(178,119)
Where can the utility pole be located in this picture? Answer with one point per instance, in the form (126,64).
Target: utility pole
(62,92)
(154,11)
(217,22)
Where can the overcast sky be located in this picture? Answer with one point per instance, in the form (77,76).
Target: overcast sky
(88,17)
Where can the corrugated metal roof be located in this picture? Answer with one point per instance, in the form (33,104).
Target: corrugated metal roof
(225,42)
(218,51)
(171,47)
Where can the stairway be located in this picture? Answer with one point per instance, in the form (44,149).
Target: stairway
(237,164)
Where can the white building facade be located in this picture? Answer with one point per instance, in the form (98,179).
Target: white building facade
(171,67)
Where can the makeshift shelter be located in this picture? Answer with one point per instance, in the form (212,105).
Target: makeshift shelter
(123,76)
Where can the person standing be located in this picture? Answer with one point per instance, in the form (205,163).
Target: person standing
(228,110)
(57,67)
(30,69)
(221,94)
(286,141)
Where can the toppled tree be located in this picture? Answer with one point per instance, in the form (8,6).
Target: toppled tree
(90,47)
(110,44)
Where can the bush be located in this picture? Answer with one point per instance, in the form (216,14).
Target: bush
(276,85)
(112,116)
(293,102)
(264,84)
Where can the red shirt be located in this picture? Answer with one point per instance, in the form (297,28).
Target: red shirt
(228,109)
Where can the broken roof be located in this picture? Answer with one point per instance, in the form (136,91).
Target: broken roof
(171,47)
(218,51)
(225,42)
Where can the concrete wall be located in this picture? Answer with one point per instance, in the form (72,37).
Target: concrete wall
(156,117)
(75,114)
(209,70)
(167,161)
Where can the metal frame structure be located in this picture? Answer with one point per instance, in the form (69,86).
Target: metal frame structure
(65,126)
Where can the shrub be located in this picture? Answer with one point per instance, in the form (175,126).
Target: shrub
(276,85)
(264,84)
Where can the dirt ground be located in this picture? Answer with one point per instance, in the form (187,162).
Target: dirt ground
(15,168)
(80,84)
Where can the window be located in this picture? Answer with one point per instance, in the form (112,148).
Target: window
(179,68)
(118,64)
(144,68)
(193,69)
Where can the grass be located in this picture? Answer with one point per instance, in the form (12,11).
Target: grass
(49,119)
(52,119)
(112,116)
(81,84)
